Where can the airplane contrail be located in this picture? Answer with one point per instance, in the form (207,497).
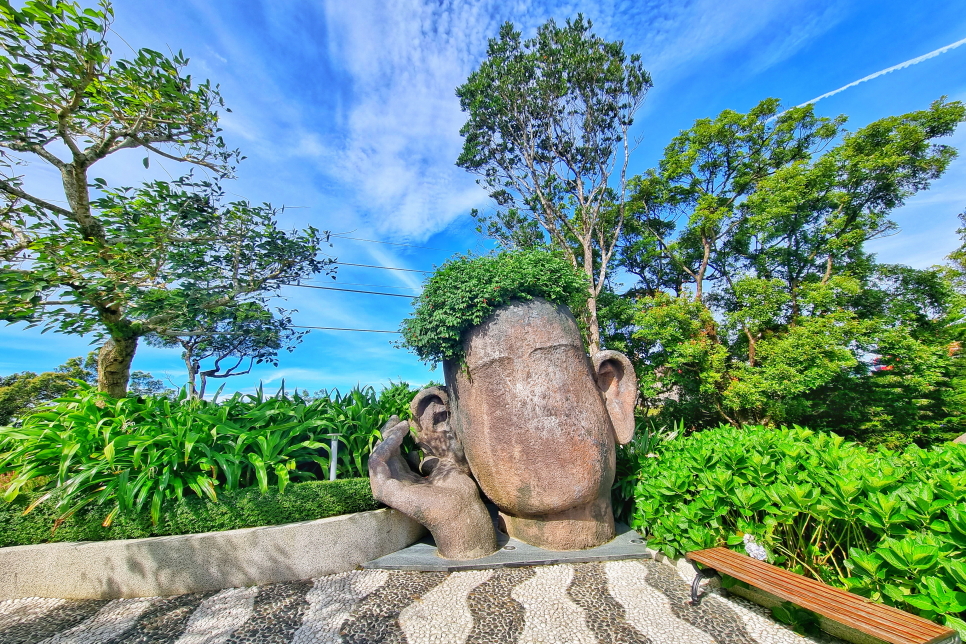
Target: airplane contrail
(908,63)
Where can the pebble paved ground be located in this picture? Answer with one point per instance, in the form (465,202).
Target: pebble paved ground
(621,602)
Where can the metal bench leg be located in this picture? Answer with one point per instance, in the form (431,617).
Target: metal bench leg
(700,573)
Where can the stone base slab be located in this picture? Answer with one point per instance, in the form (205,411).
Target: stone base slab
(422,556)
(193,563)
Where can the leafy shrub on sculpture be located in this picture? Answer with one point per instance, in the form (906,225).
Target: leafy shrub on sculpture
(131,455)
(465,290)
(884,524)
(246,508)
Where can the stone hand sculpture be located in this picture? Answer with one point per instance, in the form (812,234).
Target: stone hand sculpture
(445,499)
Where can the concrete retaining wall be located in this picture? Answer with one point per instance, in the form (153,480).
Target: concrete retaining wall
(207,561)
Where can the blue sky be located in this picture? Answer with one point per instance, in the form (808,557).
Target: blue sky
(347,114)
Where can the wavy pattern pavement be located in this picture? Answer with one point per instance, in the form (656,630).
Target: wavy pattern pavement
(623,602)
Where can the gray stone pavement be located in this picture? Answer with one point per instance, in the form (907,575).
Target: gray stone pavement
(617,602)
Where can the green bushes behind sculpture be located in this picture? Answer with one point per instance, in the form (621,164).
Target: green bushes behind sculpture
(133,455)
(246,508)
(884,524)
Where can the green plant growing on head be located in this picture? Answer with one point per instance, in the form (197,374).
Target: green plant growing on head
(466,290)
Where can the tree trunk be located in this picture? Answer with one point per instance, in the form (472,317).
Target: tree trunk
(78,197)
(699,279)
(593,327)
(114,365)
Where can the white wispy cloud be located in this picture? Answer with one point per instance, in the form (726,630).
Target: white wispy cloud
(883,72)
(399,141)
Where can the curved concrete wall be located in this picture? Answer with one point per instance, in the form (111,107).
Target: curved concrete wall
(207,561)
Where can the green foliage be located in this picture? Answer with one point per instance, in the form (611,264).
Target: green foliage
(22,392)
(122,263)
(547,124)
(888,525)
(647,439)
(246,508)
(802,621)
(465,291)
(231,334)
(130,455)
(756,302)
(59,84)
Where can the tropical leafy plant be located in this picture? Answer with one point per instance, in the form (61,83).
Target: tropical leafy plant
(888,525)
(648,436)
(131,455)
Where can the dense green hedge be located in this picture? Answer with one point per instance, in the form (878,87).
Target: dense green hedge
(246,508)
(888,525)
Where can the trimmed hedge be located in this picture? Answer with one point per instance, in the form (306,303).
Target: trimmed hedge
(245,508)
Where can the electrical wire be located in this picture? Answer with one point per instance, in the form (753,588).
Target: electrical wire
(388,268)
(351,290)
(408,288)
(332,328)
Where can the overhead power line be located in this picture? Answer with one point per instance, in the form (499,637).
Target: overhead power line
(376,241)
(388,268)
(408,288)
(351,290)
(333,328)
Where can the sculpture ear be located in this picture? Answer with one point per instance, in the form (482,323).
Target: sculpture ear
(618,382)
(430,410)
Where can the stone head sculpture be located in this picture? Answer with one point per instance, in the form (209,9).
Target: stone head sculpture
(538,421)
(533,420)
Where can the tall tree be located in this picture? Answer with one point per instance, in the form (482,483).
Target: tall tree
(757,298)
(548,133)
(219,342)
(119,262)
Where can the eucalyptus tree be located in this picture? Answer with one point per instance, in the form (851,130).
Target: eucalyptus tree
(119,263)
(548,134)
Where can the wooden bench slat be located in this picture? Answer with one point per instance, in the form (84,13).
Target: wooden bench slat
(785,579)
(858,607)
(884,622)
(868,622)
(899,631)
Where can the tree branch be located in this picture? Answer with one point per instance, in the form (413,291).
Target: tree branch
(37,149)
(17,192)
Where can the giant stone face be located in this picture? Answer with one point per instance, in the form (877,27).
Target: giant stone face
(534,424)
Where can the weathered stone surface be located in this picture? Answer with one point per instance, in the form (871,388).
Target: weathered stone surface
(447,500)
(536,419)
(533,419)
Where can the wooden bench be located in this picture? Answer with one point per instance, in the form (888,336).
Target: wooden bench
(883,622)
